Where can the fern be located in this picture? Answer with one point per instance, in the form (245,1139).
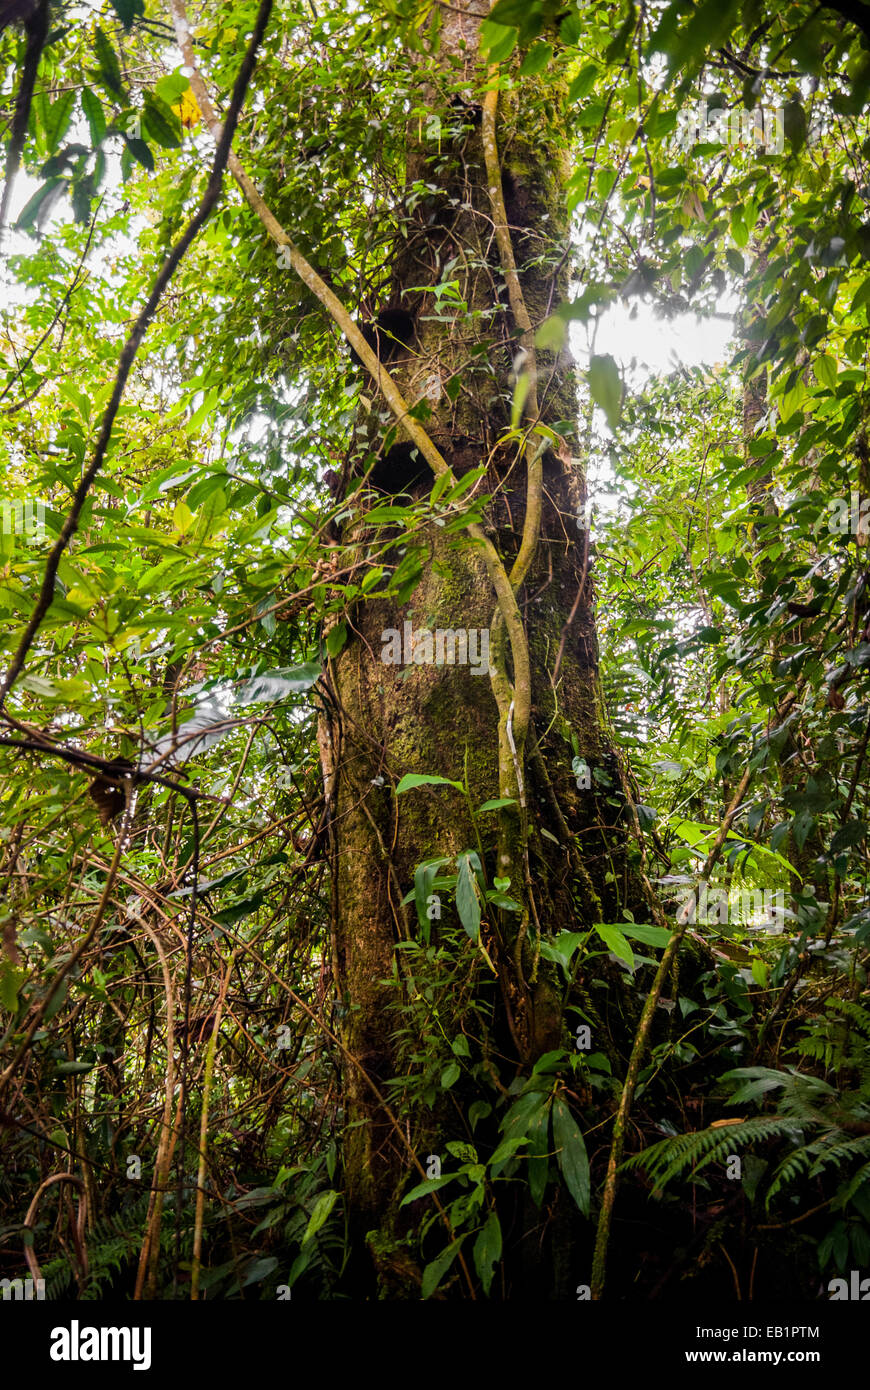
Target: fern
(827,1127)
(672,1157)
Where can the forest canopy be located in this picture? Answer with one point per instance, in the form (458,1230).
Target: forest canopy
(434,767)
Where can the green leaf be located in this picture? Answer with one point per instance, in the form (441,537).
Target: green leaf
(423,779)
(583,83)
(552,333)
(43,195)
(801,827)
(57,119)
(161,123)
(11,980)
(74,1068)
(615,941)
(538,1158)
(336,638)
(649,936)
(487,1251)
(848,835)
(521,391)
(94,114)
(276,684)
(170,87)
(825,371)
(511,11)
(497,41)
(496,803)
(861,297)
(605,387)
(434,1272)
(109,67)
(424,1188)
(259,1270)
(562,947)
(449,1075)
(182,517)
(739,229)
(208,723)
(794,123)
(537,58)
(467,901)
(571,1153)
(424,876)
(706,27)
(140,152)
(128,11)
(57,999)
(322,1208)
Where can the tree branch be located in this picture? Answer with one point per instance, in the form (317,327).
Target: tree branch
(131,347)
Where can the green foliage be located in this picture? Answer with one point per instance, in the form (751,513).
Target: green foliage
(211,583)
(823,1128)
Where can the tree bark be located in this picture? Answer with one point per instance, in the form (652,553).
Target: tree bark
(384,720)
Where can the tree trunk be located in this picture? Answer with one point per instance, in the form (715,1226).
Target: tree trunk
(385,720)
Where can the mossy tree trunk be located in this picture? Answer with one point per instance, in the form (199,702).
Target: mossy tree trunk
(457,352)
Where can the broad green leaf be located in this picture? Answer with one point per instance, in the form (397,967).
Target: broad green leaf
(109,67)
(11,980)
(259,1270)
(552,334)
(649,936)
(434,1272)
(336,638)
(571,1154)
(467,901)
(140,152)
(536,59)
(57,120)
(322,1208)
(421,779)
(161,123)
(487,1251)
(215,709)
(582,84)
(537,1155)
(424,1188)
(424,876)
(128,11)
(40,203)
(182,517)
(739,229)
(615,941)
(497,41)
(512,11)
(825,371)
(449,1075)
(521,391)
(605,387)
(562,947)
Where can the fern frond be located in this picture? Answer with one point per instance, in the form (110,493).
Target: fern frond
(671,1158)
